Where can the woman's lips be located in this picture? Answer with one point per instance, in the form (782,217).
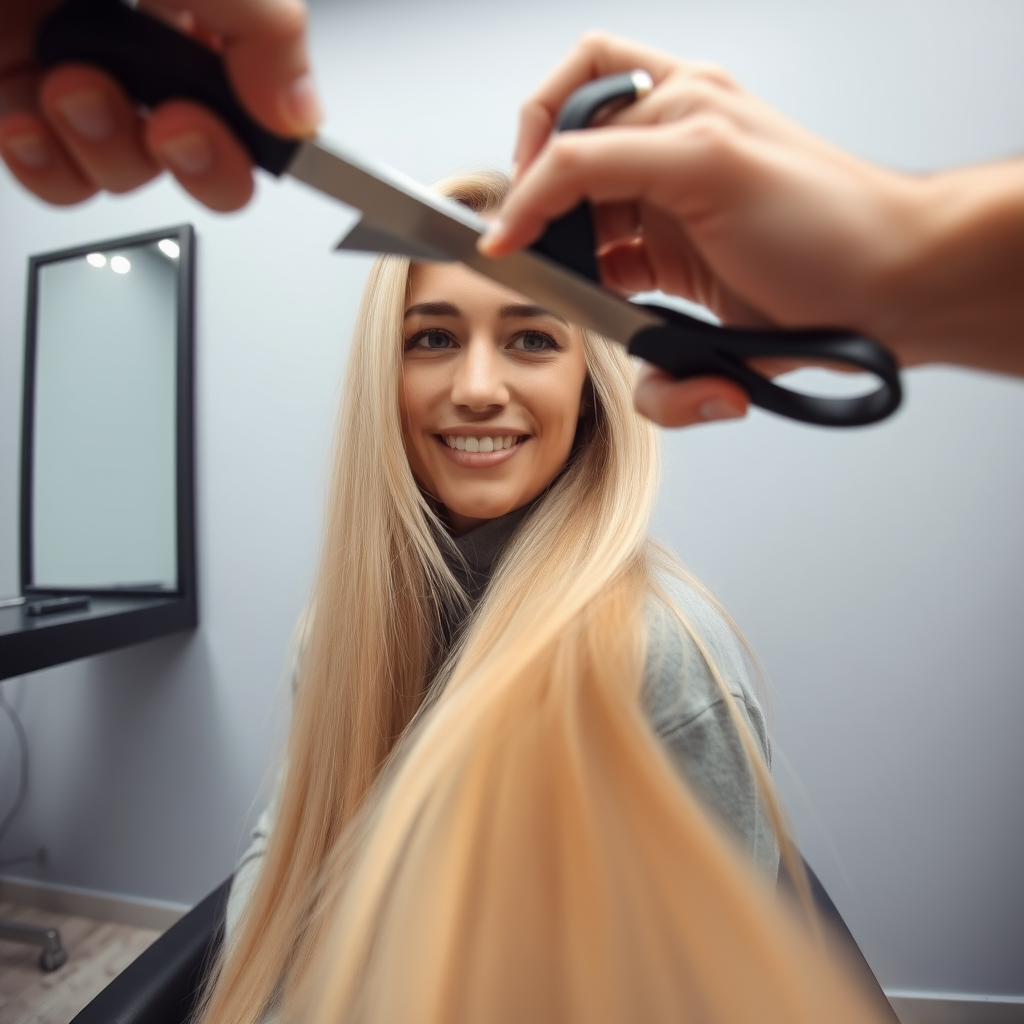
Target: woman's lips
(480,460)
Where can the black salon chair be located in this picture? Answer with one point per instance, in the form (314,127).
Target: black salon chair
(164,984)
(855,960)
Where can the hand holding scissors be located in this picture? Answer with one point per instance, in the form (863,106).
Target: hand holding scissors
(703,190)
(69,131)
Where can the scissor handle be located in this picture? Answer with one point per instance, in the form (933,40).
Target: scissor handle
(688,347)
(570,240)
(154,62)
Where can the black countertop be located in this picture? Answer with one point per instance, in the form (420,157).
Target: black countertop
(31,642)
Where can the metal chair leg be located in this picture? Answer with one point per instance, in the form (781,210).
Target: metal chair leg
(53,954)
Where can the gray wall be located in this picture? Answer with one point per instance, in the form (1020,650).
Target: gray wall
(876,572)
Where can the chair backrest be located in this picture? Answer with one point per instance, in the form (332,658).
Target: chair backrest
(163,985)
(856,960)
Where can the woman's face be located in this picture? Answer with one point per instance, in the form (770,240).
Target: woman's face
(490,395)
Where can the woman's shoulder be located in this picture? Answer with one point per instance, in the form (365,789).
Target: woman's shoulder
(685,631)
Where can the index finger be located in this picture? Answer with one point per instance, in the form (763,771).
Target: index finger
(597,54)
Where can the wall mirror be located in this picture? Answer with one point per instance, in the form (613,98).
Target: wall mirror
(107,446)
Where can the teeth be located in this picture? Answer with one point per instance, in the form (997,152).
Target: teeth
(480,444)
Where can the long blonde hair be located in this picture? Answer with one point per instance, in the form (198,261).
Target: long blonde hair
(518,847)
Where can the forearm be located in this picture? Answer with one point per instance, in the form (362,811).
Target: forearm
(958,296)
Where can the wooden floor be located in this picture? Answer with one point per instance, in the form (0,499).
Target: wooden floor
(97,951)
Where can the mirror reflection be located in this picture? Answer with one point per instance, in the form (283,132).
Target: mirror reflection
(103,464)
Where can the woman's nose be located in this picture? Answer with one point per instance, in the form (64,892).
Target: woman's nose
(478,383)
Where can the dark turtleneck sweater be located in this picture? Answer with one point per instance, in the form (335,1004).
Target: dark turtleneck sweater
(480,550)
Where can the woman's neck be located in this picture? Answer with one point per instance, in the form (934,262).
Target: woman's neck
(460,524)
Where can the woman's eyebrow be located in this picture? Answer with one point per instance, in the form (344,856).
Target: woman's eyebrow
(434,309)
(522,310)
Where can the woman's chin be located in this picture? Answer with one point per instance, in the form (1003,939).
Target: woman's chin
(480,511)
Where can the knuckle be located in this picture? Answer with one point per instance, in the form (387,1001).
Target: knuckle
(290,18)
(530,112)
(700,95)
(714,75)
(594,41)
(564,157)
(711,135)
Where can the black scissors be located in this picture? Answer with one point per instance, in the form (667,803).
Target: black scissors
(153,62)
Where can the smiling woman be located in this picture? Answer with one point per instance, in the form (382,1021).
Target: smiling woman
(491,395)
(527,775)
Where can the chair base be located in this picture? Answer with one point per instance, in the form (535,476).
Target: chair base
(53,954)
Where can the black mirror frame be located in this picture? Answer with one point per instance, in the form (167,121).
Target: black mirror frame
(184,235)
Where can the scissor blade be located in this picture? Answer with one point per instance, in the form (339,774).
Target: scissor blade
(402,211)
(367,238)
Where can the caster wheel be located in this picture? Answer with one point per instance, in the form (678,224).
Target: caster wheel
(51,959)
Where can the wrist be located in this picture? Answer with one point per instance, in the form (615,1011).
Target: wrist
(952,293)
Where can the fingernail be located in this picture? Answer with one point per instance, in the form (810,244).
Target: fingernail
(190,153)
(719,409)
(302,106)
(494,234)
(88,113)
(30,150)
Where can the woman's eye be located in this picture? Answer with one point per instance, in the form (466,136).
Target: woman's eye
(535,341)
(432,341)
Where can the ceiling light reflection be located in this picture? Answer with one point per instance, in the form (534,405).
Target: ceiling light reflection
(169,248)
(119,265)
(96,259)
